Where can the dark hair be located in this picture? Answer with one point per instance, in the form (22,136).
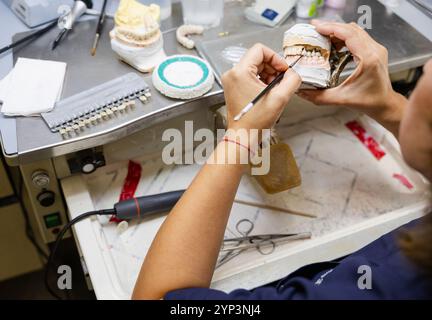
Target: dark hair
(417,244)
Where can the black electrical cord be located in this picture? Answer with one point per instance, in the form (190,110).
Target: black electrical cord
(60,236)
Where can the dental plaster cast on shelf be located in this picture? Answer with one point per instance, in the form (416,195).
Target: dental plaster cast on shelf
(321,65)
(136,37)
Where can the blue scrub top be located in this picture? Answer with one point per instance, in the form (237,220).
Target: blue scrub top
(378,271)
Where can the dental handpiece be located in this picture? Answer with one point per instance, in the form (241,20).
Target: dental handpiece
(142,207)
(79,8)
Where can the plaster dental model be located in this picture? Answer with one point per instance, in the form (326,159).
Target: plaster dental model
(183,77)
(136,37)
(185,30)
(320,66)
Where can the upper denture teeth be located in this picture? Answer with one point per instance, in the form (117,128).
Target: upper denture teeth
(297,50)
(294,51)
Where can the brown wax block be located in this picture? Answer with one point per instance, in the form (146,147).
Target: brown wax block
(284,173)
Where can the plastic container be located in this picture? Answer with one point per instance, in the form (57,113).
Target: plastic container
(207,13)
(336,4)
(304,9)
(165,7)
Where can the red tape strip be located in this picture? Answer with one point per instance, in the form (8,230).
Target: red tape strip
(130,184)
(366,139)
(404,180)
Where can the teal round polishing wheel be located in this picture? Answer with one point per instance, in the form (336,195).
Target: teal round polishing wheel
(183,77)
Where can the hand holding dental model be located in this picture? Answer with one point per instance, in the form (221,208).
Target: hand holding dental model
(183,255)
(369,88)
(312,56)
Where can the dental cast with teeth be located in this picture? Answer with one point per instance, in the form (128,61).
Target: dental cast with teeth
(185,254)
(231,151)
(136,37)
(314,68)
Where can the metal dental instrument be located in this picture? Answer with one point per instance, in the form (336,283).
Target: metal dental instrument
(79,8)
(244,227)
(273,208)
(261,241)
(30,37)
(234,247)
(265,91)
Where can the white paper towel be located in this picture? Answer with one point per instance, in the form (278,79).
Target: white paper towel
(32,87)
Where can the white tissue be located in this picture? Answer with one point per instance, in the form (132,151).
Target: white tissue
(32,87)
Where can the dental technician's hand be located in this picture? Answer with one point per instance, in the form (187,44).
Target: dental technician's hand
(241,85)
(369,88)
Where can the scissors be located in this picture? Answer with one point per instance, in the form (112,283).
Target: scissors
(234,247)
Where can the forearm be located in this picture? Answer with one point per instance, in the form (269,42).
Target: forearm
(390,115)
(185,250)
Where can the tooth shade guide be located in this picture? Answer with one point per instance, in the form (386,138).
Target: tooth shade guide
(105,102)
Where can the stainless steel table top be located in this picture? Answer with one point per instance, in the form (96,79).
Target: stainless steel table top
(407,48)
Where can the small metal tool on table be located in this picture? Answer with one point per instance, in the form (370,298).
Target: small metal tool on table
(33,36)
(79,8)
(235,246)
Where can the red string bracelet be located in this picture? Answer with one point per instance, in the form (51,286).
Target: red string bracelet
(226,139)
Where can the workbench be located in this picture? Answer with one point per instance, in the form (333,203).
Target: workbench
(28,139)
(340,187)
